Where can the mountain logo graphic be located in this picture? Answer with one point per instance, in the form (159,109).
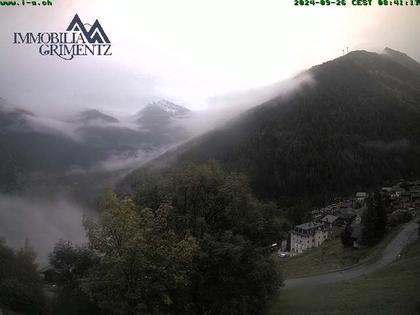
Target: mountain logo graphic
(93,34)
(79,40)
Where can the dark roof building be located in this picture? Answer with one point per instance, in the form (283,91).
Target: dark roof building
(308,228)
(330,219)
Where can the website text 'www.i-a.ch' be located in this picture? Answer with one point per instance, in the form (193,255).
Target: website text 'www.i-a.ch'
(25,3)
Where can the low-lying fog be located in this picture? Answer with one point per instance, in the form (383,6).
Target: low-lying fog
(42,222)
(45,220)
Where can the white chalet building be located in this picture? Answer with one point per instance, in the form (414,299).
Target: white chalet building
(307,235)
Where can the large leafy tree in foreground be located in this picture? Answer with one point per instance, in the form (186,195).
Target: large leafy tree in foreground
(193,241)
(143,263)
(234,272)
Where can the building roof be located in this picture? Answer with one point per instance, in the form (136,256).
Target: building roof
(309,226)
(329,218)
(346,211)
(397,188)
(346,216)
(44,269)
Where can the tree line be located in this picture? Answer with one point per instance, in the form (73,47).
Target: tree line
(192,241)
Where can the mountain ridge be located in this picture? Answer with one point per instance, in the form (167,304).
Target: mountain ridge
(88,140)
(91,115)
(157,115)
(355,127)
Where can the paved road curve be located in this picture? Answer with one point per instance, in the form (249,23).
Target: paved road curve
(388,255)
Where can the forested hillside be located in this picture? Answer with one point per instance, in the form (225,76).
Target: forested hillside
(357,125)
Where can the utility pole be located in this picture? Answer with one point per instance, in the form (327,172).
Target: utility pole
(347,49)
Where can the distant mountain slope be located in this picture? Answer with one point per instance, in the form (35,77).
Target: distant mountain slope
(403,59)
(158,116)
(30,144)
(165,107)
(164,120)
(93,115)
(23,149)
(357,126)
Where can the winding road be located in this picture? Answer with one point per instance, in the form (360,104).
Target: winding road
(408,235)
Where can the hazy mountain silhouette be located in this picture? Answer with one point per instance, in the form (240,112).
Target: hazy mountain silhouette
(357,126)
(30,144)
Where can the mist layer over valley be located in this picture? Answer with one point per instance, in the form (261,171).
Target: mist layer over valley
(55,169)
(41,222)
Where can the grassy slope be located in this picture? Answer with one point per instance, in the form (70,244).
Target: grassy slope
(392,290)
(330,256)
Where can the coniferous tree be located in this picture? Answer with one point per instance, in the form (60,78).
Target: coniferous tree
(346,238)
(374,220)
(20,284)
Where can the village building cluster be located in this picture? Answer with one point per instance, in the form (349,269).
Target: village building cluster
(328,222)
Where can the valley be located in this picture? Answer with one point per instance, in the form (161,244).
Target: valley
(210,200)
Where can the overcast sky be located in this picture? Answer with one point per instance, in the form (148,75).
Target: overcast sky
(186,51)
